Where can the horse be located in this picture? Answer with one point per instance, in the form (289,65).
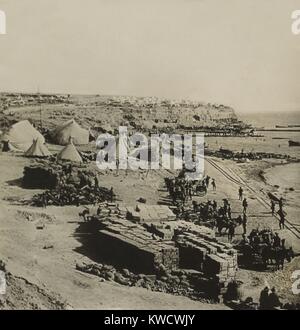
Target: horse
(276,254)
(248,254)
(84,214)
(223,222)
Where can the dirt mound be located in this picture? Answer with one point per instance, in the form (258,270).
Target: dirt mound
(22,294)
(282,281)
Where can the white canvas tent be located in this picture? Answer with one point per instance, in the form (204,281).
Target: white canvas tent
(38,149)
(21,135)
(62,134)
(70,153)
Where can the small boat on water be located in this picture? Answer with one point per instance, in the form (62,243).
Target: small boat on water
(294,143)
(256,135)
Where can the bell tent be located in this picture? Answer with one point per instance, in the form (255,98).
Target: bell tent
(38,149)
(62,134)
(70,153)
(21,135)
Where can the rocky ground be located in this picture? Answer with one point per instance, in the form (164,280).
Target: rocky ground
(22,294)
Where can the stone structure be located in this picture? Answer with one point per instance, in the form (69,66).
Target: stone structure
(173,244)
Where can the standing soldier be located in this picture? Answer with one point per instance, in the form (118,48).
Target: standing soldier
(241,194)
(273,300)
(231,231)
(276,241)
(70,169)
(111,194)
(215,205)
(282,219)
(245,205)
(280,203)
(272,206)
(225,205)
(264,298)
(44,201)
(204,187)
(213,183)
(96,184)
(207,181)
(229,211)
(244,223)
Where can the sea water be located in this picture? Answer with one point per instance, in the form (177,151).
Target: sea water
(272,141)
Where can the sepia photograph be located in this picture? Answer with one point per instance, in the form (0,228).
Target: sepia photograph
(149,157)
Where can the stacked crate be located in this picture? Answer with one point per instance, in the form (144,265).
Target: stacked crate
(144,213)
(179,243)
(141,243)
(170,256)
(215,259)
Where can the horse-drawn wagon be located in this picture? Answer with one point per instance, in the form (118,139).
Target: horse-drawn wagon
(262,250)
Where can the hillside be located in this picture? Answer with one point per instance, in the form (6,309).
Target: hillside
(109,112)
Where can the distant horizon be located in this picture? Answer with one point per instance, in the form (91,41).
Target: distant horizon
(245,112)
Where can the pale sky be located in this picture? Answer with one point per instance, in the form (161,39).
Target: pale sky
(236,52)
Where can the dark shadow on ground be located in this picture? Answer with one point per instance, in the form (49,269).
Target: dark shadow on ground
(86,234)
(16,182)
(105,248)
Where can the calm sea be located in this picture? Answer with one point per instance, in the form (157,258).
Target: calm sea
(270,120)
(276,142)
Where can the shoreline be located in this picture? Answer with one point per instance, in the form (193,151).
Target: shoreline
(266,172)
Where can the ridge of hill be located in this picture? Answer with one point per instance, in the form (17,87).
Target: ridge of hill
(96,111)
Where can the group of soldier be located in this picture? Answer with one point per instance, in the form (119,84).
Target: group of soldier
(182,190)
(245,207)
(210,210)
(269,299)
(241,219)
(265,236)
(280,212)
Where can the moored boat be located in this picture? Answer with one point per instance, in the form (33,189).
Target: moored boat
(294,143)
